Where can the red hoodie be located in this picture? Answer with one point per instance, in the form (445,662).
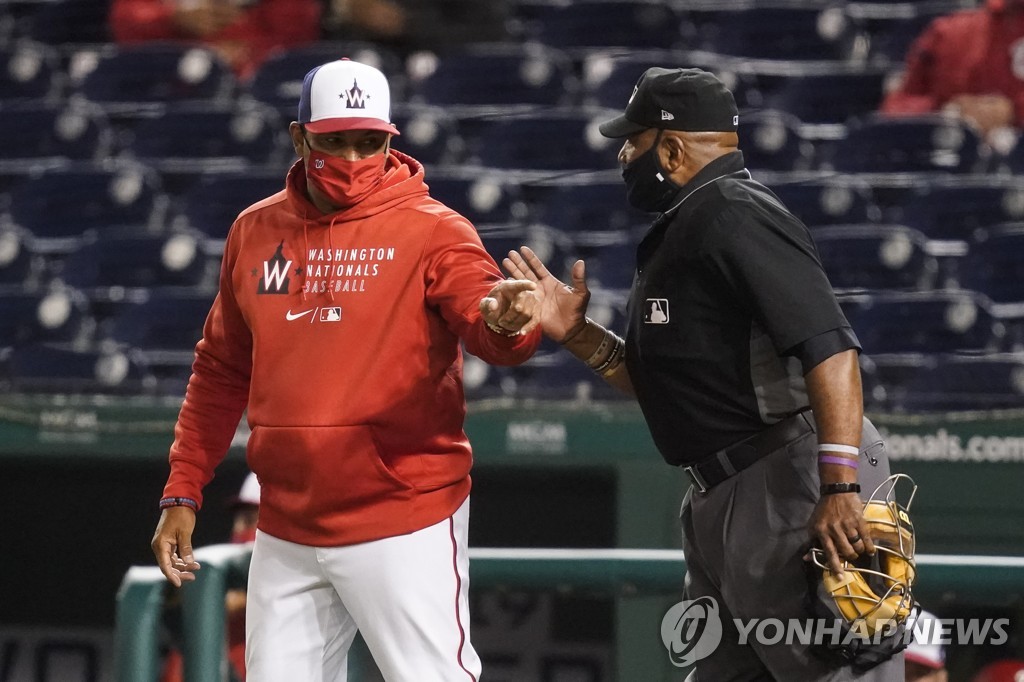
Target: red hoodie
(975,52)
(341,334)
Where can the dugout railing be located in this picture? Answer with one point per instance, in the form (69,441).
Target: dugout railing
(626,574)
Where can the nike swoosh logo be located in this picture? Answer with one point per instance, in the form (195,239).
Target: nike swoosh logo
(294,316)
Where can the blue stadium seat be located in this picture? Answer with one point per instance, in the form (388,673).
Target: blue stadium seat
(20,264)
(492,75)
(943,321)
(53,368)
(828,201)
(64,22)
(966,382)
(29,71)
(552,141)
(164,319)
(995,263)
(909,145)
(61,205)
(482,198)
(214,200)
(772,140)
(498,240)
(57,314)
(892,30)
(638,24)
(557,375)
(778,32)
(610,258)
(211,138)
(609,75)
(278,81)
(875,257)
(831,94)
(428,134)
(958,209)
(482,381)
(128,259)
(36,131)
(147,78)
(584,205)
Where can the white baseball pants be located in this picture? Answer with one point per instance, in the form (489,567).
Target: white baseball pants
(406,595)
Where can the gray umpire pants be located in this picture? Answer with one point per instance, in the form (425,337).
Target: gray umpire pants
(744,543)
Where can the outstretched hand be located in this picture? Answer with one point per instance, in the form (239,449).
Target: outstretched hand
(512,305)
(563,308)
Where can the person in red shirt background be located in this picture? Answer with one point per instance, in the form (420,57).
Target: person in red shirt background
(970,63)
(243,32)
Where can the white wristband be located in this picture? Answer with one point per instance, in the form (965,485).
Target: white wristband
(832,447)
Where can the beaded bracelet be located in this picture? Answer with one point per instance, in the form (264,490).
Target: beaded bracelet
(179,502)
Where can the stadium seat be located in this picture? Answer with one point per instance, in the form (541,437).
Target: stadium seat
(584,205)
(771,140)
(553,141)
(147,78)
(831,94)
(214,200)
(609,75)
(778,32)
(127,259)
(187,138)
(966,382)
(995,263)
(20,264)
(875,257)
(610,259)
(428,134)
(637,24)
(57,314)
(958,209)
(29,71)
(482,198)
(163,319)
(54,368)
(278,81)
(35,131)
(909,145)
(546,243)
(828,201)
(492,75)
(943,321)
(558,375)
(90,198)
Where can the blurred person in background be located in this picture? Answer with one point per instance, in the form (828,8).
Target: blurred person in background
(243,32)
(411,25)
(925,658)
(970,63)
(245,509)
(1007,670)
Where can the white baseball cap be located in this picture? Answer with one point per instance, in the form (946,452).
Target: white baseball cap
(925,648)
(345,95)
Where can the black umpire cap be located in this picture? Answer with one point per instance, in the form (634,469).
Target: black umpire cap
(676,99)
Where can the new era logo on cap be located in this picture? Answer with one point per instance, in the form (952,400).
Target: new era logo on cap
(345,95)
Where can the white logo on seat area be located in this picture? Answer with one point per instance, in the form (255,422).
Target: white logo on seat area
(294,316)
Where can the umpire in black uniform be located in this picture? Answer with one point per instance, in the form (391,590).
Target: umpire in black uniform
(744,366)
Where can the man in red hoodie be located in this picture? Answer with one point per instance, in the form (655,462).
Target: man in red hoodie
(971,63)
(342,302)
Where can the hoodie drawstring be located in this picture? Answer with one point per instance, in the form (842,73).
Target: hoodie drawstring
(305,251)
(334,266)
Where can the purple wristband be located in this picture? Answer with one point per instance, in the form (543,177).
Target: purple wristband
(842,461)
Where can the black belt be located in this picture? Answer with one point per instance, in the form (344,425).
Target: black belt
(733,459)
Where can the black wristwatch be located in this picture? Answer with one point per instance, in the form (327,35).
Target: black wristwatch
(836,488)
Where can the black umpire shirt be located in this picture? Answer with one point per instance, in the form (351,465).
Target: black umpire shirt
(729,309)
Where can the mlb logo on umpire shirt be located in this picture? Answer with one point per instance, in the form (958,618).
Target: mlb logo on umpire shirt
(656,311)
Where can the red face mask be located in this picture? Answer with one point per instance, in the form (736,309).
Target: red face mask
(344,183)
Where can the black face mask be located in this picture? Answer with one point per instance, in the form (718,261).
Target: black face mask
(648,186)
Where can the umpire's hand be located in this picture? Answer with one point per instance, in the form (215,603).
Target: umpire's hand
(172,544)
(838,527)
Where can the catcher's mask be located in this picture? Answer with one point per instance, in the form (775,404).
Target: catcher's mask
(875,596)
